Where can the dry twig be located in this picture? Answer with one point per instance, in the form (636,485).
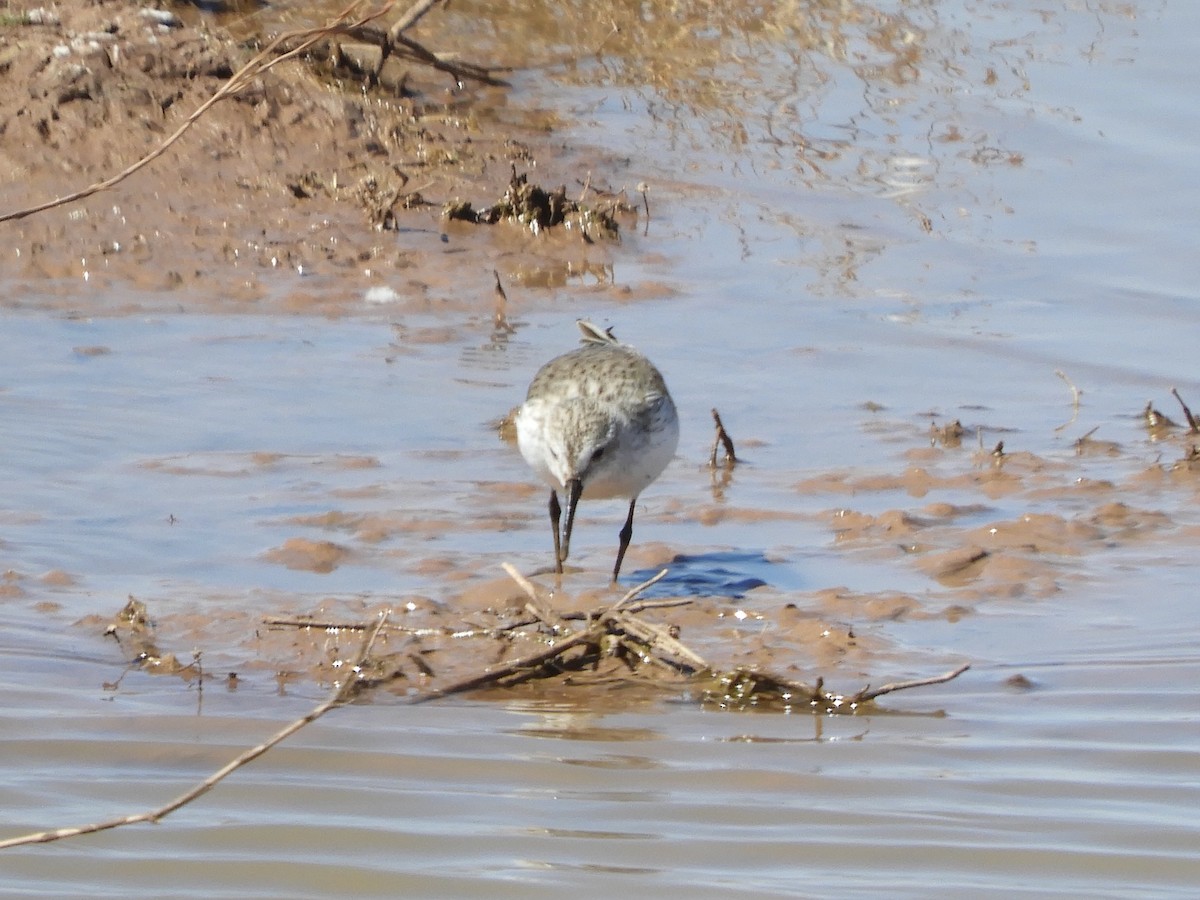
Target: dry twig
(500,323)
(866,694)
(343,693)
(614,630)
(1075,395)
(1187,413)
(722,439)
(743,688)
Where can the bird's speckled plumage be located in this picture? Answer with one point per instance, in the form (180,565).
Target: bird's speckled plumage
(601,416)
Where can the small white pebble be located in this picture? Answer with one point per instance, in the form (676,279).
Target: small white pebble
(381,294)
(42,16)
(163,17)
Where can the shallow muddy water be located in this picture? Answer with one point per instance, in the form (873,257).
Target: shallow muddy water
(863,227)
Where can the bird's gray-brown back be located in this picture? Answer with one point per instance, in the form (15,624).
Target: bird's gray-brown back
(602,372)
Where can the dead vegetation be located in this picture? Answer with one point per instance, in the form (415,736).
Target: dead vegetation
(532,642)
(608,645)
(536,208)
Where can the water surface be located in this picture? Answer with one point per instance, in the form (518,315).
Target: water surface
(865,222)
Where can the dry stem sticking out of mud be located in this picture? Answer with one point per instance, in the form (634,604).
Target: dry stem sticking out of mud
(721,439)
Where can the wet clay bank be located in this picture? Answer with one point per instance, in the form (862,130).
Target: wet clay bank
(302,190)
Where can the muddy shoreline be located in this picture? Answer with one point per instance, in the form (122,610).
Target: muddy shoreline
(308,194)
(302,192)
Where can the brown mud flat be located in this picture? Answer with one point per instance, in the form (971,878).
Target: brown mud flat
(313,183)
(522,638)
(299,193)
(970,553)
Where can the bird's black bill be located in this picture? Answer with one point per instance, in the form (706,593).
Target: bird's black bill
(574,490)
(555,518)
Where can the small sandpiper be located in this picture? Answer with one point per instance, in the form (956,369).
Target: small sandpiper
(597,421)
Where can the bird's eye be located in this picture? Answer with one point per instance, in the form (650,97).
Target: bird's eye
(598,454)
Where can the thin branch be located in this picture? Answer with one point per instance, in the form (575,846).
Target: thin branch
(661,603)
(514,667)
(314,623)
(537,605)
(669,649)
(637,590)
(1082,442)
(1075,395)
(864,695)
(500,288)
(722,439)
(411,17)
(337,698)
(460,70)
(1187,413)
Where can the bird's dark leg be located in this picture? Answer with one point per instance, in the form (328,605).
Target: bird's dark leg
(555,516)
(625,536)
(574,489)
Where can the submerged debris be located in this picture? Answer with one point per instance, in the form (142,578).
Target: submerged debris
(133,630)
(537,208)
(528,641)
(1155,420)
(949,436)
(1190,461)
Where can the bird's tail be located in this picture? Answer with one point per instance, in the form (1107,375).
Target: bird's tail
(594,334)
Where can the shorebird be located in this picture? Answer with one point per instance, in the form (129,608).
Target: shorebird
(597,422)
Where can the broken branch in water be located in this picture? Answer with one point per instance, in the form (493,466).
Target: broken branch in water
(637,651)
(343,693)
(616,630)
(1187,413)
(613,632)
(743,688)
(866,694)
